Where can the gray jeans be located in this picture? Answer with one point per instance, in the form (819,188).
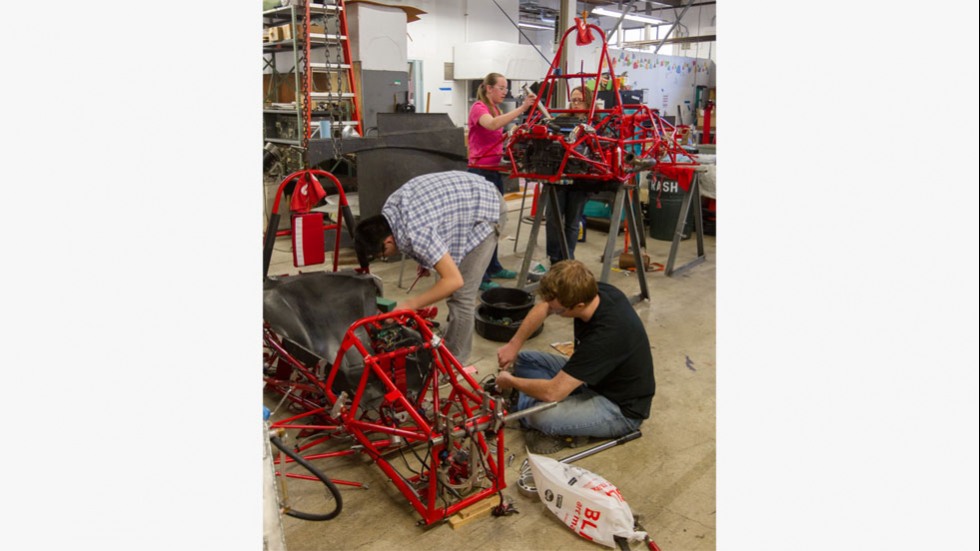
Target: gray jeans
(462,303)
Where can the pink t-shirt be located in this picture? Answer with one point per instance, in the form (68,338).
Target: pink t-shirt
(486,146)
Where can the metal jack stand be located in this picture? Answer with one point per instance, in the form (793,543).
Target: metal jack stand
(520,216)
(550,196)
(692,192)
(636,240)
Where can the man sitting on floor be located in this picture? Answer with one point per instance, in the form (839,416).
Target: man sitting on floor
(605,388)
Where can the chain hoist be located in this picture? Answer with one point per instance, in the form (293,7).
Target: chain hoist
(336,112)
(326,65)
(305,68)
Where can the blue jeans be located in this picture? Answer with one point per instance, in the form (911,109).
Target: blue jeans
(581,413)
(571,203)
(496,179)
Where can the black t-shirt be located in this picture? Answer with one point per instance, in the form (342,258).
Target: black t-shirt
(612,354)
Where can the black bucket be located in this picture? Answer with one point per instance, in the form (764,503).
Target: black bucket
(504,302)
(498,329)
(663,217)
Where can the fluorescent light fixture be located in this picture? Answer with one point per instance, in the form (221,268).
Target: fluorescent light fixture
(535,26)
(630,17)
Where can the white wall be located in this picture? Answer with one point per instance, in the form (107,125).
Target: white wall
(544,40)
(431,40)
(668,81)
(475,60)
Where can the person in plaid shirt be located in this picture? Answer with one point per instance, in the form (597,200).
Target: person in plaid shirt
(448,221)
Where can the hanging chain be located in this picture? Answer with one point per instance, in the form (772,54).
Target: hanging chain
(336,113)
(339,60)
(338,51)
(304,96)
(326,57)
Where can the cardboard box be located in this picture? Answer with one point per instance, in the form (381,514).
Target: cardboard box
(714,117)
(272,34)
(338,81)
(287,32)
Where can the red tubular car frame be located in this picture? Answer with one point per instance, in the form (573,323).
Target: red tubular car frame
(410,394)
(607,145)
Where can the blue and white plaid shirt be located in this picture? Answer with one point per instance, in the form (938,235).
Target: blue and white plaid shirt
(433,214)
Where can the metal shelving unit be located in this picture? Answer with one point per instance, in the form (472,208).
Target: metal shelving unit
(311,78)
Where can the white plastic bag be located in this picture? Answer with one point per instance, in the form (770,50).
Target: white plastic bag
(587,503)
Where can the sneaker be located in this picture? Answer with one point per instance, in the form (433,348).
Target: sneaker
(503,273)
(487,285)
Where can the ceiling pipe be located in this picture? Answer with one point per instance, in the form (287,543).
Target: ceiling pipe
(679,40)
(672,27)
(622,16)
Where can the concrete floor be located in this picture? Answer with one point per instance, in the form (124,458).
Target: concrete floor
(667,476)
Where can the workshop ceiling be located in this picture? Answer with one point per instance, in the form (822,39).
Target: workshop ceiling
(546,11)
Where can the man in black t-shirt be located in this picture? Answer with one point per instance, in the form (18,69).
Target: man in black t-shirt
(605,388)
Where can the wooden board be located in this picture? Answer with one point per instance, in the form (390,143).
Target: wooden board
(474,512)
(565,348)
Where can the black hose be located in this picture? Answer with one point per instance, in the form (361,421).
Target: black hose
(270,242)
(323,478)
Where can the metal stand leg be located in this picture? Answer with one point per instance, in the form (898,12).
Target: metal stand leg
(532,241)
(641,228)
(692,193)
(636,235)
(556,220)
(621,200)
(520,218)
(614,221)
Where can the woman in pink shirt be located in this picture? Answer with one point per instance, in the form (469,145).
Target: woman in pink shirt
(486,123)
